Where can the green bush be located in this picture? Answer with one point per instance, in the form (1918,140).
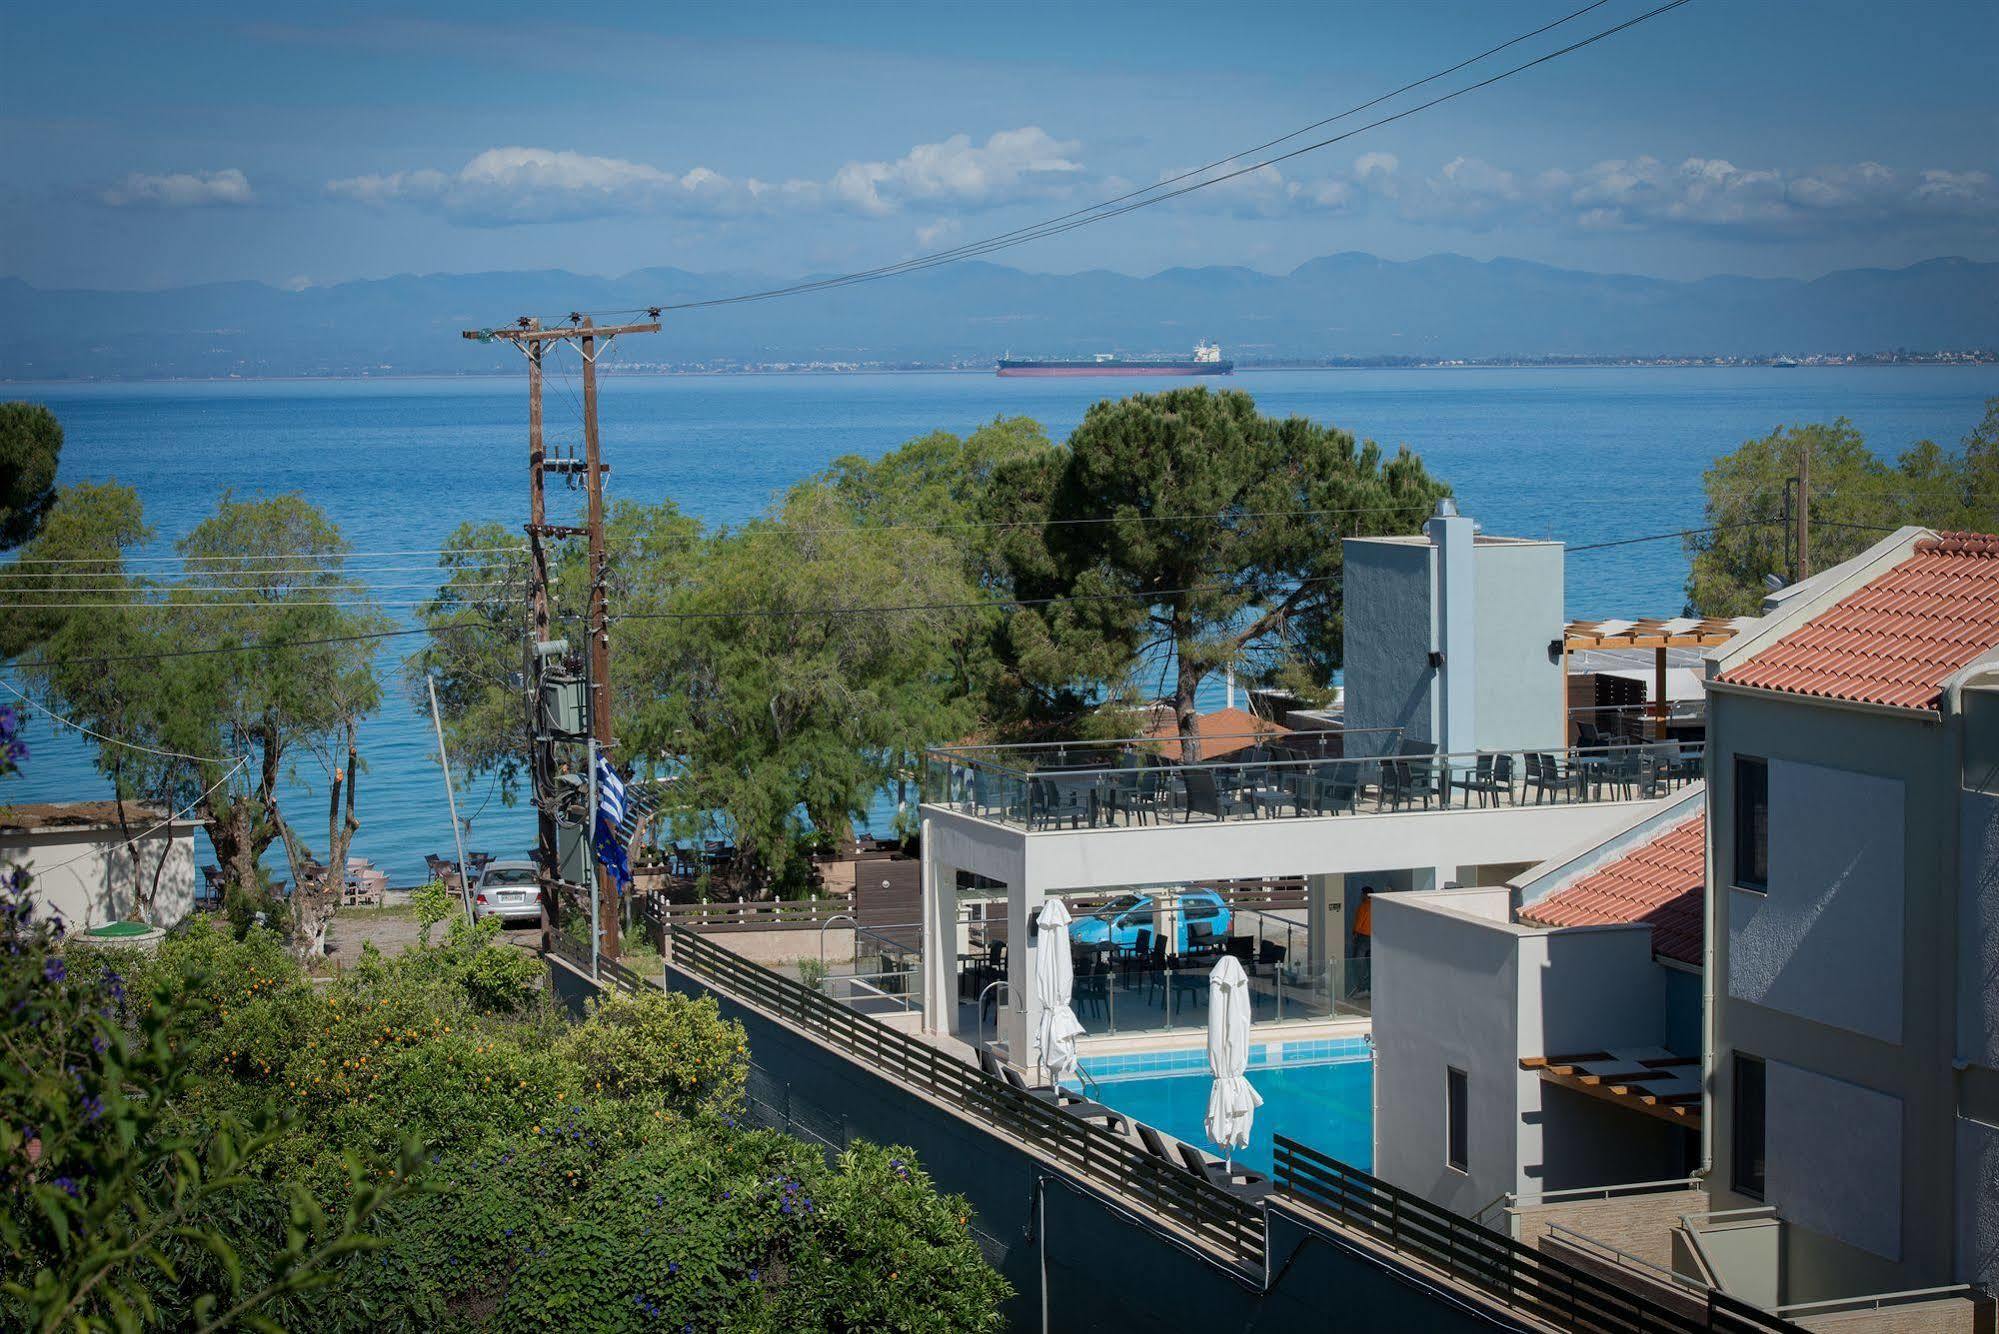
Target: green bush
(433,904)
(587,1175)
(662,1051)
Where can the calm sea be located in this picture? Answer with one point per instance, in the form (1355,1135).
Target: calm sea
(1584,455)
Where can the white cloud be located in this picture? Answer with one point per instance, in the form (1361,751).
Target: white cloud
(1266,192)
(1009,166)
(1706,193)
(502,186)
(1382,165)
(180,189)
(508,185)
(931,233)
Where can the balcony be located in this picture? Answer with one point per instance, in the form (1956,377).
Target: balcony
(1290,776)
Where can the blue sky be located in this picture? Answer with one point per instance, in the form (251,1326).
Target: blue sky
(152,146)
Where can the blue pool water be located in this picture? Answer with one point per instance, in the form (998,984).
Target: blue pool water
(1322,1098)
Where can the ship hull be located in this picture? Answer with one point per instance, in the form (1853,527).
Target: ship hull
(1078,369)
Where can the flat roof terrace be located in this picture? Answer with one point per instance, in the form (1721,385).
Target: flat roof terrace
(1279,775)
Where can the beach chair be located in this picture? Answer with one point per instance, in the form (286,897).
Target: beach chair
(1238,1181)
(1075,1104)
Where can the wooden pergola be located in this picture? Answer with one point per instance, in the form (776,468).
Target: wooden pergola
(1656,633)
(1651,1081)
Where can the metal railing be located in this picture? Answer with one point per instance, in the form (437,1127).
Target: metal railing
(1875,1301)
(1583,1241)
(1261,783)
(1110,1161)
(1512,1273)
(1513,1199)
(741,915)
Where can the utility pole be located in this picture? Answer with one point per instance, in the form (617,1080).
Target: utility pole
(599,627)
(533,342)
(1803,514)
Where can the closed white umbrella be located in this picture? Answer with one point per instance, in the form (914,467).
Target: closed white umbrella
(1054,981)
(1232,1102)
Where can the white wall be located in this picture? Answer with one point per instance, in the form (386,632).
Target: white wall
(1066,859)
(1825,943)
(86,874)
(1833,1158)
(1445,979)
(1458,984)
(1522,704)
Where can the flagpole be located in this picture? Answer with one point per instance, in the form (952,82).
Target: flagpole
(590,859)
(457,834)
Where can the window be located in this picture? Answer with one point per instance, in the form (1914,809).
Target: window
(1752,824)
(1199,911)
(1121,904)
(1457,1128)
(1749,1126)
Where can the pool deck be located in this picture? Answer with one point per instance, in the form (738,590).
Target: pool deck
(1196,1039)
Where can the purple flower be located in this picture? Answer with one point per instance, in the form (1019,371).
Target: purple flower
(93,1107)
(54,970)
(69,1187)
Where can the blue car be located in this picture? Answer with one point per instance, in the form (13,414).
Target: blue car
(1203,916)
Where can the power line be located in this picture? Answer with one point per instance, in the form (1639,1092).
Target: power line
(991,603)
(261,571)
(191,806)
(1684,533)
(969,246)
(169,589)
(280,605)
(1126,203)
(279,555)
(988,604)
(27,699)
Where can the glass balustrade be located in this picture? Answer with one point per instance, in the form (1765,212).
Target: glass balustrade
(1138,783)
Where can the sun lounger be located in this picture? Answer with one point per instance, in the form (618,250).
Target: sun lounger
(1236,1180)
(1075,1104)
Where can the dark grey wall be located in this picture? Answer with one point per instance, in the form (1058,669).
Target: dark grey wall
(1105,1270)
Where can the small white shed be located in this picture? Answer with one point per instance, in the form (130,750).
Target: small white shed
(95,862)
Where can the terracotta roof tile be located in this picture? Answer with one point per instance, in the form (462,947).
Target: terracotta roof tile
(1659,882)
(1899,638)
(1222,732)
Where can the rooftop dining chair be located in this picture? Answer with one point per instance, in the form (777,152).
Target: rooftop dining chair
(1093,989)
(1547,779)
(1205,795)
(1489,776)
(1404,781)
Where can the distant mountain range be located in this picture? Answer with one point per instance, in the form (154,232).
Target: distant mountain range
(1345,305)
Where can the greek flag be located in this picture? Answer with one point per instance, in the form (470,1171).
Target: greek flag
(611,814)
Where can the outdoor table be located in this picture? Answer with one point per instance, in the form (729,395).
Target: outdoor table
(1076,796)
(1591,771)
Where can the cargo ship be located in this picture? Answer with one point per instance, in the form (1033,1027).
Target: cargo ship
(1207,360)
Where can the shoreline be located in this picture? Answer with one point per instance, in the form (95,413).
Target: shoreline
(801,372)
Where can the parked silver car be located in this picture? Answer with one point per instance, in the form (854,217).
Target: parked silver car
(508,890)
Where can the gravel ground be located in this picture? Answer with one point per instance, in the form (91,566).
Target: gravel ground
(393,930)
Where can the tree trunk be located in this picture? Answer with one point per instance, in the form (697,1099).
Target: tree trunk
(1186,680)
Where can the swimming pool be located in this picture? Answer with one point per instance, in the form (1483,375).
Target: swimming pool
(1319,1092)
